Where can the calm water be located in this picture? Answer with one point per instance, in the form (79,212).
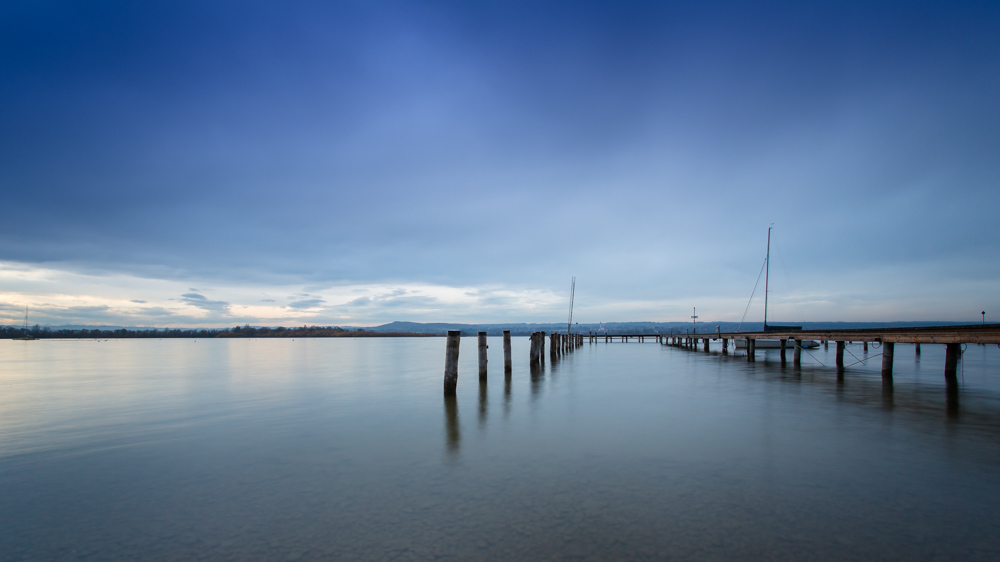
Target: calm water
(311,449)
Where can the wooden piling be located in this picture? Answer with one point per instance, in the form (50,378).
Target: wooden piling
(918,349)
(451,362)
(725,346)
(866,347)
(840,355)
(826,344)
(705,343)
(952,353)
(751,350)
(482,356)
(507,363)
(888,348)
(797,353)
(781,353)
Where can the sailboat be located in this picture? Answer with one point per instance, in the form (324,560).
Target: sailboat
(773,344)
(26,336)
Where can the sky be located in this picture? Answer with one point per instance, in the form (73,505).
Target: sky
(211,164)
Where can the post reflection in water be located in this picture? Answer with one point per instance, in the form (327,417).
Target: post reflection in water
(506,397)
(952,409)
(483,404)
(453,431)
(537,378)
(887,394)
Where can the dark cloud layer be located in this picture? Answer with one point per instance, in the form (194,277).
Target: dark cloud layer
(643,146)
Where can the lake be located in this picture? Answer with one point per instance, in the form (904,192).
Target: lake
(309,449)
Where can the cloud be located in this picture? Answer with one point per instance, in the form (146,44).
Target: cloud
(138,301)
(200,301)
(307,303)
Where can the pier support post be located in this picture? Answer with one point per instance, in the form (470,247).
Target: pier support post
(725,346)
(840,355)
(451,362)
(865,347)
(482,356)
(781,353)
(952,353)
(888,348)
(507,363)
(826,344)
(751,350)
(705,345)
(918,349)
(797,354)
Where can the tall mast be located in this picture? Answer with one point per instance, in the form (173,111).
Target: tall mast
(767,271)
(572,293)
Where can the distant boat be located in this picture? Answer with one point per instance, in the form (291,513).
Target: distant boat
(26,336)
(776,344)
(773,344)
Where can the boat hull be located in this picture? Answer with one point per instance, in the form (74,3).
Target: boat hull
(776,344)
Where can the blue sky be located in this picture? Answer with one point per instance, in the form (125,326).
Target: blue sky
(217,163)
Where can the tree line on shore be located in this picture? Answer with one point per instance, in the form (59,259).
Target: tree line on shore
(9,332)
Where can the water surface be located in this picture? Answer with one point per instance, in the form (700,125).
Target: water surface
(277,449)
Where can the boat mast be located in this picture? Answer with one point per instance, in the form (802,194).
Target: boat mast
(767,271)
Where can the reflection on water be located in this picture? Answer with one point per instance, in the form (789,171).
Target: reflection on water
(453,431)
(484,404)
(319,449)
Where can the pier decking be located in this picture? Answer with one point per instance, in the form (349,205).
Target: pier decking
(952,337)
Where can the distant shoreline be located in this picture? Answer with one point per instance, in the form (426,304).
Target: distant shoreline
(438,329)
(238,332)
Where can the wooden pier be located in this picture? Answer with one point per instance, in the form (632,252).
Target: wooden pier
(952,337)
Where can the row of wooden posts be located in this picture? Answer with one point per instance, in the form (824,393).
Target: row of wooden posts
(560,344)
(953,352)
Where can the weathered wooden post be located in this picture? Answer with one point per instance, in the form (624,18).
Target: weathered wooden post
(952,353)
(725,346)
(888,348)
(507,363)
(537,347)
(797,354)
(918,349)
(751,349)
(840,355)
(705,343)
(826,344)
(865,347)
(781,352)
(482,356)
(451,362)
